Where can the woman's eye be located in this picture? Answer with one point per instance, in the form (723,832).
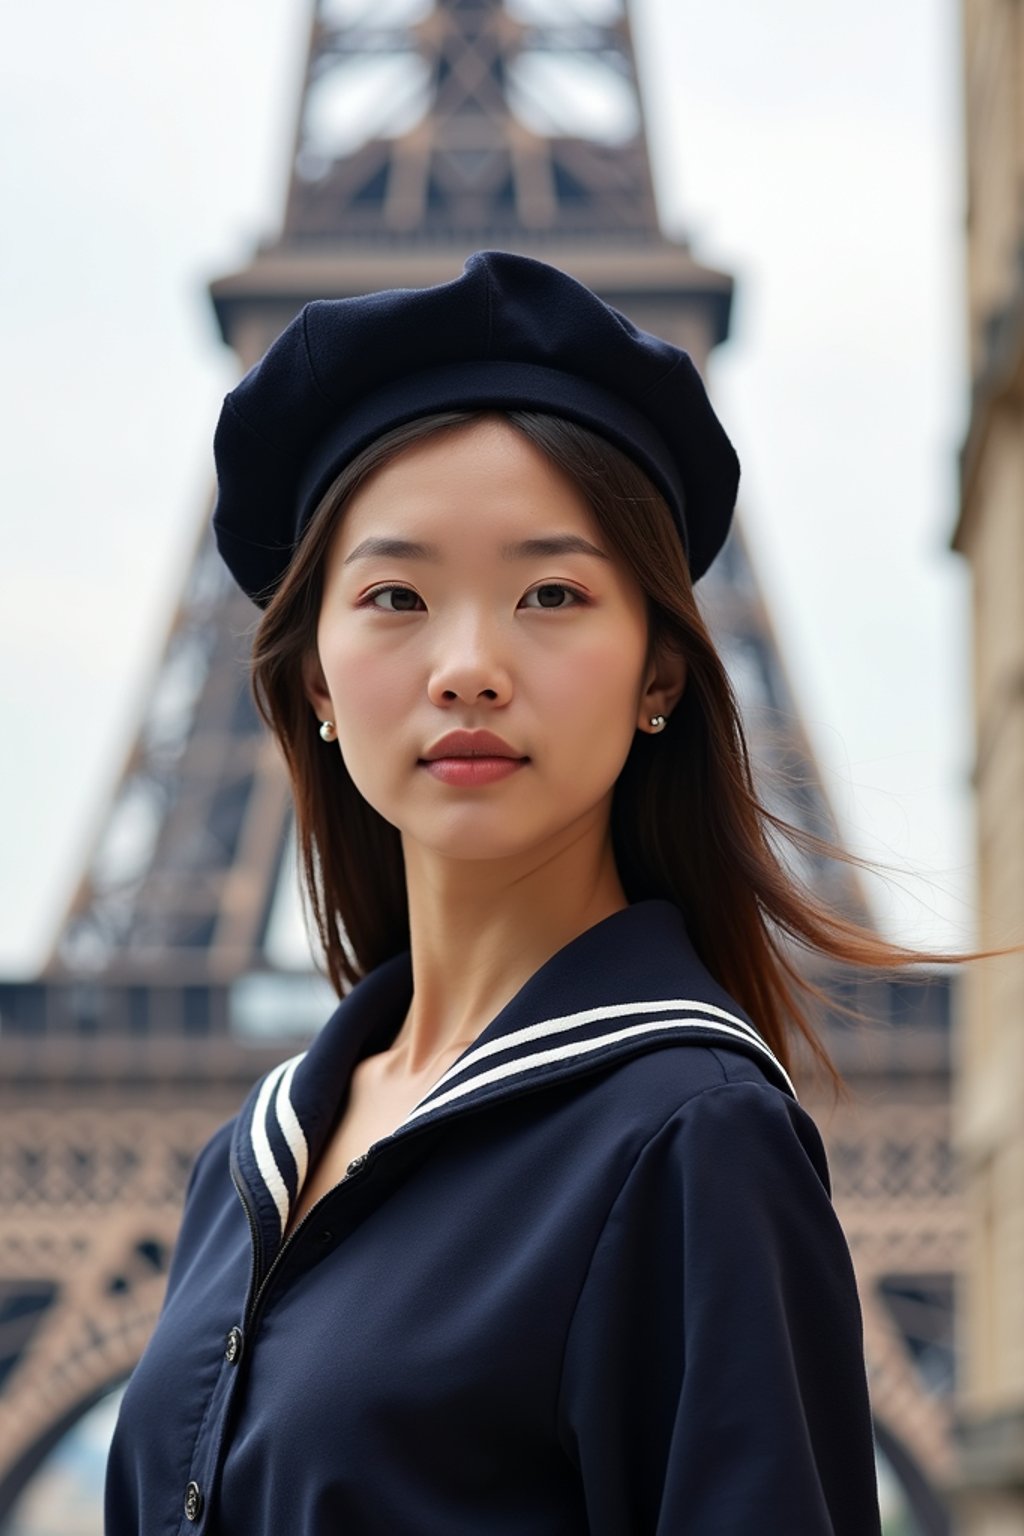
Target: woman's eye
(550,587)
(547,596)
(401,592)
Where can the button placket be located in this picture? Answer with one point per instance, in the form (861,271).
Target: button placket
(210,1441)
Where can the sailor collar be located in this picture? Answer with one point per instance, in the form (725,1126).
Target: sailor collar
(631,982)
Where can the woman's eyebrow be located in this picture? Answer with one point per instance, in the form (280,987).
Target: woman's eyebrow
(412,549)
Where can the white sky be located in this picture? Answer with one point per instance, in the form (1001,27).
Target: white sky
(810,147)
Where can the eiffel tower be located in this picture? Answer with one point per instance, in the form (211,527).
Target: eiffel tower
(426,129)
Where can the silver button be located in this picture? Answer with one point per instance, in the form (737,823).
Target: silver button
(357,1162)
(193,1501)
(233,1346)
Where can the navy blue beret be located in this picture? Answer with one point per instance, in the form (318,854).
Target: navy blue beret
(510,333)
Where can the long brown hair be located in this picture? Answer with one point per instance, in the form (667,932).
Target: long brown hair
(687,822)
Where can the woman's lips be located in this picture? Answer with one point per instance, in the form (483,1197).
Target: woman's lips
(472,770)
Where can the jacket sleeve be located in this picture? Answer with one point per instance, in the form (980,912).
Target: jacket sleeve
(214,1152)
(713,1380)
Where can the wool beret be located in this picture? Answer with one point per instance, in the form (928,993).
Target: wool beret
(510,332)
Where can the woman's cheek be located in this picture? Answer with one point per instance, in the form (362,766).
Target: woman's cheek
(364,681)
(604,675)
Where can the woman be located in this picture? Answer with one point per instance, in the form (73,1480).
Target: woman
(536,1237)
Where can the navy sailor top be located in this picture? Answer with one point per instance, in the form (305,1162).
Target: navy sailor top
(593,1285)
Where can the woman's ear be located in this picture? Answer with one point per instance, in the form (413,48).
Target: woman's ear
(666,682)
(315,685)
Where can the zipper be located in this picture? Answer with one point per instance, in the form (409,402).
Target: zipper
(254,1231)
(257,1240)
(354,1166)
(359,1164)
(364,1162)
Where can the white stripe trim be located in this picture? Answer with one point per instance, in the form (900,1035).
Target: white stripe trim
(568,1021)
(288,1120)
(581,1048)
(265,1159)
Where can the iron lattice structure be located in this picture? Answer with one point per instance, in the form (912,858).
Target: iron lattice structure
(152,1016)
(470,163)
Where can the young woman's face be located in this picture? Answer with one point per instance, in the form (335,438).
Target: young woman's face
(545,649)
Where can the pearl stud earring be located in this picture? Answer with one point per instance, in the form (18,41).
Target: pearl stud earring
(327,731)
(657,722)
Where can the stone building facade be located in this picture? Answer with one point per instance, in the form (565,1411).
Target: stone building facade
(989,1108)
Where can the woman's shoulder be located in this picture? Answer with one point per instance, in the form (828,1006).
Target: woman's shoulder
(707,1095)
(211,1163)
(671,1072)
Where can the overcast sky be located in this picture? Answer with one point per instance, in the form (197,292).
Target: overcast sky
(810,148)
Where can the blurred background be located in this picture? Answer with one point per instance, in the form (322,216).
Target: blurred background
(820,202)
(815,153)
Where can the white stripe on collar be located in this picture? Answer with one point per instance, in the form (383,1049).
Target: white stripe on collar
(581,1047)
(280,1078)
(276,1086)
(568,1021)
(288,1120)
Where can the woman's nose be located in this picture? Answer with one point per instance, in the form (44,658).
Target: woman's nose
(469,661)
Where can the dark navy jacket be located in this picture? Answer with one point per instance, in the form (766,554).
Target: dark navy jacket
(593,1285)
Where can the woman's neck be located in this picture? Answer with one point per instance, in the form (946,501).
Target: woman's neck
(478,935)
